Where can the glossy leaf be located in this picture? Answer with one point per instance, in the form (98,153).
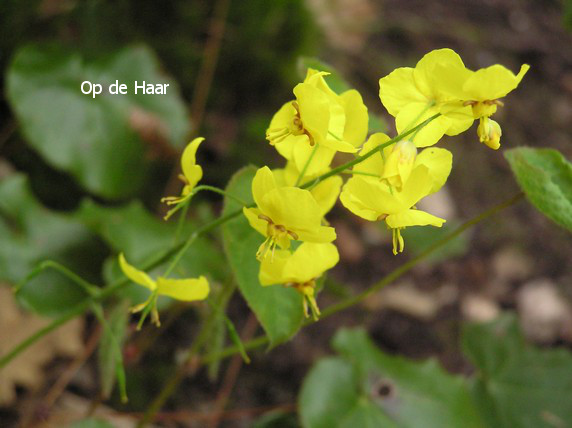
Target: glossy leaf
(368,388)
(518,385)
(29,234)
(97,140)
(545,176)
(278,309)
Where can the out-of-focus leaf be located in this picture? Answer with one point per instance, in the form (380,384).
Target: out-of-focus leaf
(418,239)
(276,420)
(518,385)
(278,309)
(91,423)
(97,140)
(111,340)
(367,388)
(131,229)
(546,178)
(29,234)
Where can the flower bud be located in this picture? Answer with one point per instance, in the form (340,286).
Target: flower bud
(489,133)
(399,163)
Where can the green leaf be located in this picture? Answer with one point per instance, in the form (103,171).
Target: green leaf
(97,140)
(29,234)
(365,387)
(545,176)
(112,338)
(91,423)
(518,385)
(418,239)
(278,309)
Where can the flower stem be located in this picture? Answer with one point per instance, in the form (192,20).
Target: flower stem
(386,280)
(178,251)
(306,165)
(220,192)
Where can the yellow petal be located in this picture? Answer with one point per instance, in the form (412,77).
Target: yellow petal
(397,90)
(192,172)
(135,275)
(321,158)
(413,218)
(492,82)
(314,110)
(316,234)
(291,207)
(262,183)
(184,289)
(415,114)
(375,163)
(291,143)
(326,193)
(417,186)
(438,162)
(308,262)
(371,195)
(355,205)
(357,119)
(255,222)
(439,73)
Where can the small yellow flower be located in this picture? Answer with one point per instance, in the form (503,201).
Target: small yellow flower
(181,289)
(413,95)
(192,173)
(318,123)
(379,190)
(483,88)
(300,270)
(284,214)
(489,132)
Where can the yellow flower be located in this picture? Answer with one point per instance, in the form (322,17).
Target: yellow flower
(300,270)
(192,173)
(181,289)
(483,88)
(325,192)
(413,95)
(375,198)
(489,132)
(284,214)
(318,123)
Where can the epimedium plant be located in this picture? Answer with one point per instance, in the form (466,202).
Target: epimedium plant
(277,239)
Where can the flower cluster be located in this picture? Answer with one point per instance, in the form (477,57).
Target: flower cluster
(391,176)
(388,177)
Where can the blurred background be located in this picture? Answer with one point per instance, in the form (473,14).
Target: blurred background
(81,179)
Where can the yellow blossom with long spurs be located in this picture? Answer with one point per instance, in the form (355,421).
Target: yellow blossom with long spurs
(325,192)
(375,195)
(317,124)
(187,290)
(413,95)
(192,174)
(300,270)
(284,214)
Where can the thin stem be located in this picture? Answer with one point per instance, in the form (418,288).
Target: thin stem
(220,192)
(181,221)
(306,165)
(359,159)
(90,289)
(386,280)
(180,249)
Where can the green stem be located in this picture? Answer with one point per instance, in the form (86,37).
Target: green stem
(111,289)
(386,280)
(359,159)
(179,249)
(182,219)
(220,192)
(306,165)
(90,289)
